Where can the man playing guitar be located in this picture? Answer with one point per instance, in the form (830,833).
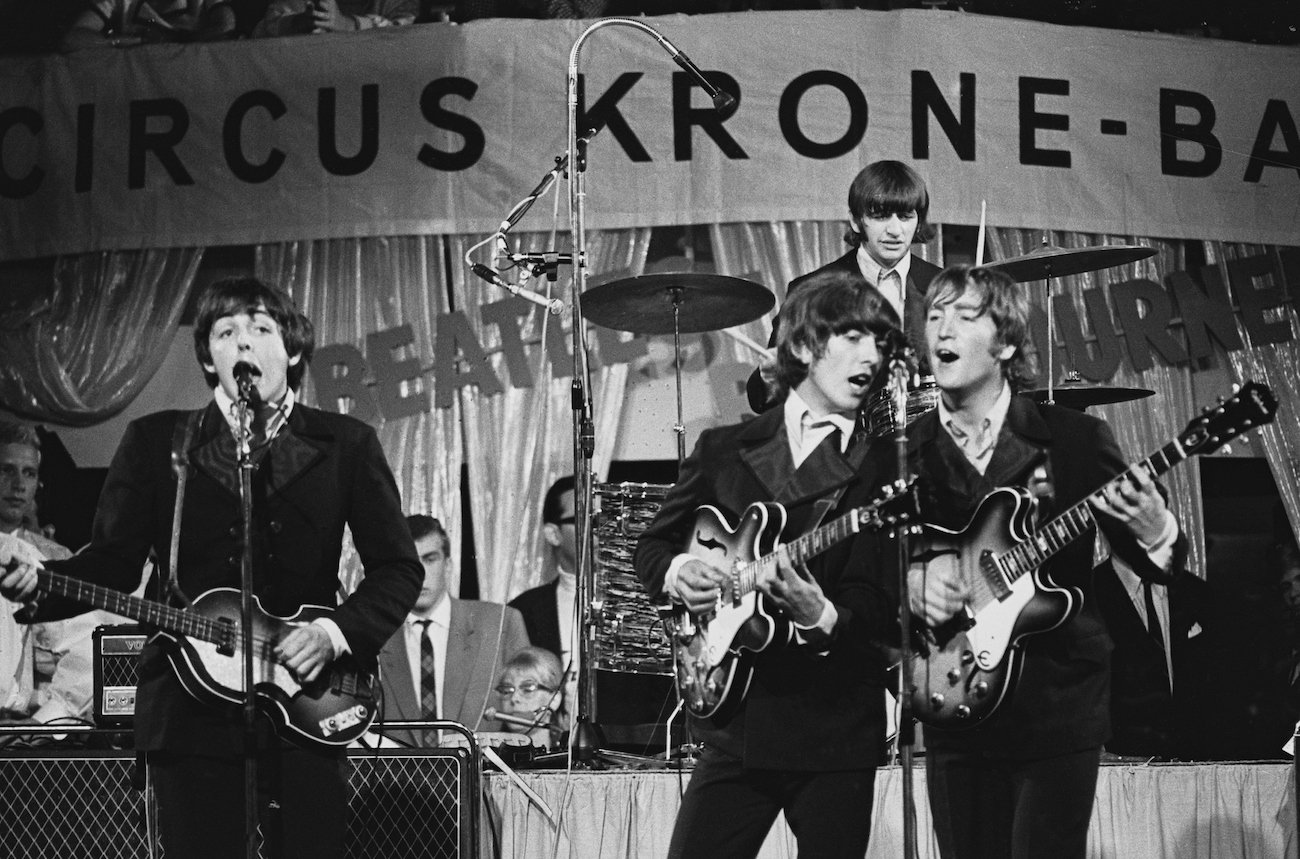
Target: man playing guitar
(807,735)
(314,472)
(1021,783)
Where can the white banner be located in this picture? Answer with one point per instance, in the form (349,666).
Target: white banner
(441,129)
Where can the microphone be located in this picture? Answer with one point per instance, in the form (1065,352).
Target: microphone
(544,258)
(722,101)
(244,374)
(554,305)
(537,721)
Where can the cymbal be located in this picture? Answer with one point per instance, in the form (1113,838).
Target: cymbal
(1051,261)
(1080,395)
(705,302)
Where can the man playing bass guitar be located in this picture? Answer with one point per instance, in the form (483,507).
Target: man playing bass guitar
(314,472)
(1020,784)
(806,733)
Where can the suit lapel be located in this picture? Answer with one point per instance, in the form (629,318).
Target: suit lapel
(462,640)
(1022,444)
(767,452)
(296,448)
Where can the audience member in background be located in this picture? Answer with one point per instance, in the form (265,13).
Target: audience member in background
(124,23)
(445,658)
(530,689)
(548,609)
(45,668)
(295,17)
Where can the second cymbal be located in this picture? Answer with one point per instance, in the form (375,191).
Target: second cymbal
(649,303)
(1050,261)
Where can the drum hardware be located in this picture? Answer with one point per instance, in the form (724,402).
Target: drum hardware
(654,303)
(1048,262)
(1075,393)
(880,414)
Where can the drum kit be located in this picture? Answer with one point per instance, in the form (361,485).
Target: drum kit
(629,635)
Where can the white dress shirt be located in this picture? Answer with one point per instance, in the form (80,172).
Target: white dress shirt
(892,281)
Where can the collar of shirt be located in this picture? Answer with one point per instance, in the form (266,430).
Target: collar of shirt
(228,409)
(993,422)
(875,275)
(804,436)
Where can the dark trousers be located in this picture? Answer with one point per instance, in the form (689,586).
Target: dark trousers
(302,804)
(986,806)
(728,809)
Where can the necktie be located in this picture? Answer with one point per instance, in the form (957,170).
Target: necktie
(1153,619)
(428,673)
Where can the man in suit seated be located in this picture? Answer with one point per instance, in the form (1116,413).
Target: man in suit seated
(444,660)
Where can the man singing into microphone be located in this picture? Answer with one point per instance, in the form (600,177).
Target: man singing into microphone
(807,736)
(314,473)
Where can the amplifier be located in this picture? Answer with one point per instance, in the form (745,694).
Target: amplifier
(117,655)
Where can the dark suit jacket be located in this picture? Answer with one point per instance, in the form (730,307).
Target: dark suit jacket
(1060,702)
(1148,719)
(322,471)
(806,710)
(541,615)
(475,655)
(918,281)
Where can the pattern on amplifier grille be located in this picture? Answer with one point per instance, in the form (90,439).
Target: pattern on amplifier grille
(406,807)
(87,809)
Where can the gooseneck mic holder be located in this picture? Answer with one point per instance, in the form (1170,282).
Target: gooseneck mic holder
(249,399)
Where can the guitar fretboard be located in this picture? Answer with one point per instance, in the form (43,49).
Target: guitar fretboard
(1051,538)
(156,614)
(804,548)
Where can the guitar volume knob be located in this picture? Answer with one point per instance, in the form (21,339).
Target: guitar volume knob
(954,675)
(936,700)
(963,712)
(981,689)
(967,657)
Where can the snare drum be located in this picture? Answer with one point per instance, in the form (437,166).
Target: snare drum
(882,417)
(629,635)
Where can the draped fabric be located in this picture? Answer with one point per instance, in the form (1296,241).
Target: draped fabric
(1140,812)
(352,287)
(82,352)
(520,441)
(1141,426)
(1278,366)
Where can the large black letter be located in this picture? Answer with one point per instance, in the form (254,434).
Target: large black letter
(788,115)
(431,109)
(162,143)
(1207,313)
(84,174)
(1199,132)
(709,119)
(1144,331)
(605,114)
(1031,120)
(1276,118)
(327,132)
(232,145)
(928,101)
(9,186)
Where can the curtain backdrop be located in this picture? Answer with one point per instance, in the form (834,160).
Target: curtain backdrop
(519,442)
(1141,426)
(1278,366)
(79,354)
(353,287)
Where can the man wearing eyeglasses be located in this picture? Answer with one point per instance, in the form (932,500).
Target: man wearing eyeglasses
(444,660)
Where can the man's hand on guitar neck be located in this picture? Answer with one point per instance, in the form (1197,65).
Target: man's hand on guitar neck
(794,591)
(1137,504)
(935,594)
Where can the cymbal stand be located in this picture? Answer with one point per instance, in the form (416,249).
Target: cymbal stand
(679,428)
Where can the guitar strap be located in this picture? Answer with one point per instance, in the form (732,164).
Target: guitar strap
(182,439)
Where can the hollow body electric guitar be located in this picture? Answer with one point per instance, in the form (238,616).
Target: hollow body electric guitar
(964,669)
(207,657)
(713,651)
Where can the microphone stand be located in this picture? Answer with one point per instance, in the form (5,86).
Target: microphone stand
(586,736)
(249,710)
(900,370)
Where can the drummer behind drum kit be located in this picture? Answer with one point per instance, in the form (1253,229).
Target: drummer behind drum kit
(629,633)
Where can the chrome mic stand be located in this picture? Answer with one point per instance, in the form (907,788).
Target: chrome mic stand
(586,735)
(248,397)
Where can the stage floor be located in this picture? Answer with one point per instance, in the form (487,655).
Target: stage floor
(1158,811)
